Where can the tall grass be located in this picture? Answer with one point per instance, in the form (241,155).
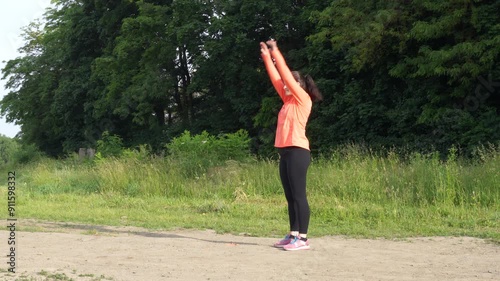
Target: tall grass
(352,192)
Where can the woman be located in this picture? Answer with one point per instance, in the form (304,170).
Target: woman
(297,93)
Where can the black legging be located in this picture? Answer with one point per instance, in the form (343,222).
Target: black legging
(294,162)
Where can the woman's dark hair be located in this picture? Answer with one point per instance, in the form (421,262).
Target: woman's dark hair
(307,83)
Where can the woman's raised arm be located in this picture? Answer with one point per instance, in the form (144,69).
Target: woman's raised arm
(271,70)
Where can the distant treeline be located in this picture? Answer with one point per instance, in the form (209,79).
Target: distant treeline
(417,75)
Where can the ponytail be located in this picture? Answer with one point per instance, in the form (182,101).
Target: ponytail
(307,83)
(312,89)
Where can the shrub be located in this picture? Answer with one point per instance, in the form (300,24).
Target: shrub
(27,153)
(109,145)
(8,147)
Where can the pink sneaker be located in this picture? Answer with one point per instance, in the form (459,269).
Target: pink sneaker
(285,241)
(297,244)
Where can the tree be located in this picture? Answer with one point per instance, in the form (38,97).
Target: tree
(51,90)
(405,67)
(417,74)
(236,90)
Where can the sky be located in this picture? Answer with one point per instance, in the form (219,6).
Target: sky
(13,16)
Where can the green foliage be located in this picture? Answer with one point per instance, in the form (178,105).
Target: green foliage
(8,148)
(194,154)
(266,119)
(141,152)
(109,145)
(27,153)
(415,74)
(419,75)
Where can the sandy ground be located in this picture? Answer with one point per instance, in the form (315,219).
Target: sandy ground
(56,251)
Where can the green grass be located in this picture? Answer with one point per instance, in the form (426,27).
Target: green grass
(351,193)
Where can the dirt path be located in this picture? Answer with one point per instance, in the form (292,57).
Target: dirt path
(58,251)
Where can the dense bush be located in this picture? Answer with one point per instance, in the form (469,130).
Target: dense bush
(109,145)
(8,147)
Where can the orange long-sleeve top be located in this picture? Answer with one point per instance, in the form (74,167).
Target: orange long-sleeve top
(294,114)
